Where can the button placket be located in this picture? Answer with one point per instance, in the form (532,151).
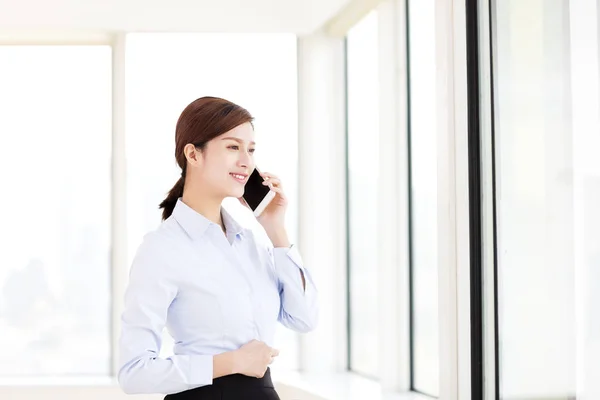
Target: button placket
(229,255)
(252,282)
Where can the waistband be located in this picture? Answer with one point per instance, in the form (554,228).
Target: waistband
(243,380)
(236,382)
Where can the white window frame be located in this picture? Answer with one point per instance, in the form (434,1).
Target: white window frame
(453,202)
(487,200)
(119,265)
(394,243)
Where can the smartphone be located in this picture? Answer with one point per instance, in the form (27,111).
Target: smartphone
(256,195)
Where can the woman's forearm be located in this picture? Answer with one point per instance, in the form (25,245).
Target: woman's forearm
(223,364)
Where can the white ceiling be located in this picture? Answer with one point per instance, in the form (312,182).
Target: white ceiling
(296,16)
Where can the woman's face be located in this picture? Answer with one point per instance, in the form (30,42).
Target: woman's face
(228,160)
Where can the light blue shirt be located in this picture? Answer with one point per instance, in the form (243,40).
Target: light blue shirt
(213,293)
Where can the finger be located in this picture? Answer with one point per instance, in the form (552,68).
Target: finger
(273,184)
(279,191)
(269,176)
(275,181)
(272,180)
(274,352)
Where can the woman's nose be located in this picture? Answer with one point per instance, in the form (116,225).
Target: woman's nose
(244,161)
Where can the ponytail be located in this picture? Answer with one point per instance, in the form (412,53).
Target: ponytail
(168,204)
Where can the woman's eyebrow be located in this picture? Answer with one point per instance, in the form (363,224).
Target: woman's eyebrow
(236,139)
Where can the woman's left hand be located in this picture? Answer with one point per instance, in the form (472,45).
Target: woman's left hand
(273,217)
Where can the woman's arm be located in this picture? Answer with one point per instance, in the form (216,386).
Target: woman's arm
(280,240)
(149,294)
(298,293)
(224,364)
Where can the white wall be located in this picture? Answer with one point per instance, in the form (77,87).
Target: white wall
(296,16)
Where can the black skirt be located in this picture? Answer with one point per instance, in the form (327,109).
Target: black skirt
(232,387)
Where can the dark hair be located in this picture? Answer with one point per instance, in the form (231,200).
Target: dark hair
(201,121)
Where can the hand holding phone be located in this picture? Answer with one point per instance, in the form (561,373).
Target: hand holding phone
(256,195)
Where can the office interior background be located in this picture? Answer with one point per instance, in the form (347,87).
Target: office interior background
(441,156)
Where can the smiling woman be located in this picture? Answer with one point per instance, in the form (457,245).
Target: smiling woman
(202,121)
(206,279)
(163,76)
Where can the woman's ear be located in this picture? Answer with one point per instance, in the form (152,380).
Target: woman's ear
(191,154)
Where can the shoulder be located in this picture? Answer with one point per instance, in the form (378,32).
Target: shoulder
(165,237)
(158,246)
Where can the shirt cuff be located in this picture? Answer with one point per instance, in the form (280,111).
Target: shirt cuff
(201,371)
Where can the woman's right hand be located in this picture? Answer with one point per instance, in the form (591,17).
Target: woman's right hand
(253,358)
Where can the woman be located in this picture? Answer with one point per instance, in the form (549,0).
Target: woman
(205,277)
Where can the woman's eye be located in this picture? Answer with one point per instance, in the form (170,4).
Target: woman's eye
(235,147)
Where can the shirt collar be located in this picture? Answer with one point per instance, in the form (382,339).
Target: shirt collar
(196,224)
(231,225)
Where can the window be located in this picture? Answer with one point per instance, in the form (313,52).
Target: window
(55,165)
(423,201)
(548,191)
(166,72)
(363,150)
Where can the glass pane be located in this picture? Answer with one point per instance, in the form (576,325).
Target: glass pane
(363,150)
(548,192)
(55,165)
(165,72)
(423,150)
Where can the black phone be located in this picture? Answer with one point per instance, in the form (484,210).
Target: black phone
(256,195)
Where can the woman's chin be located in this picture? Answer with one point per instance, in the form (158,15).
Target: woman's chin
(237,193)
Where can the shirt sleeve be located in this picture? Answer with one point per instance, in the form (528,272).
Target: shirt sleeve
(150,292)
(299,306)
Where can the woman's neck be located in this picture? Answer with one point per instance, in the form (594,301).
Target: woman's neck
(208,207)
